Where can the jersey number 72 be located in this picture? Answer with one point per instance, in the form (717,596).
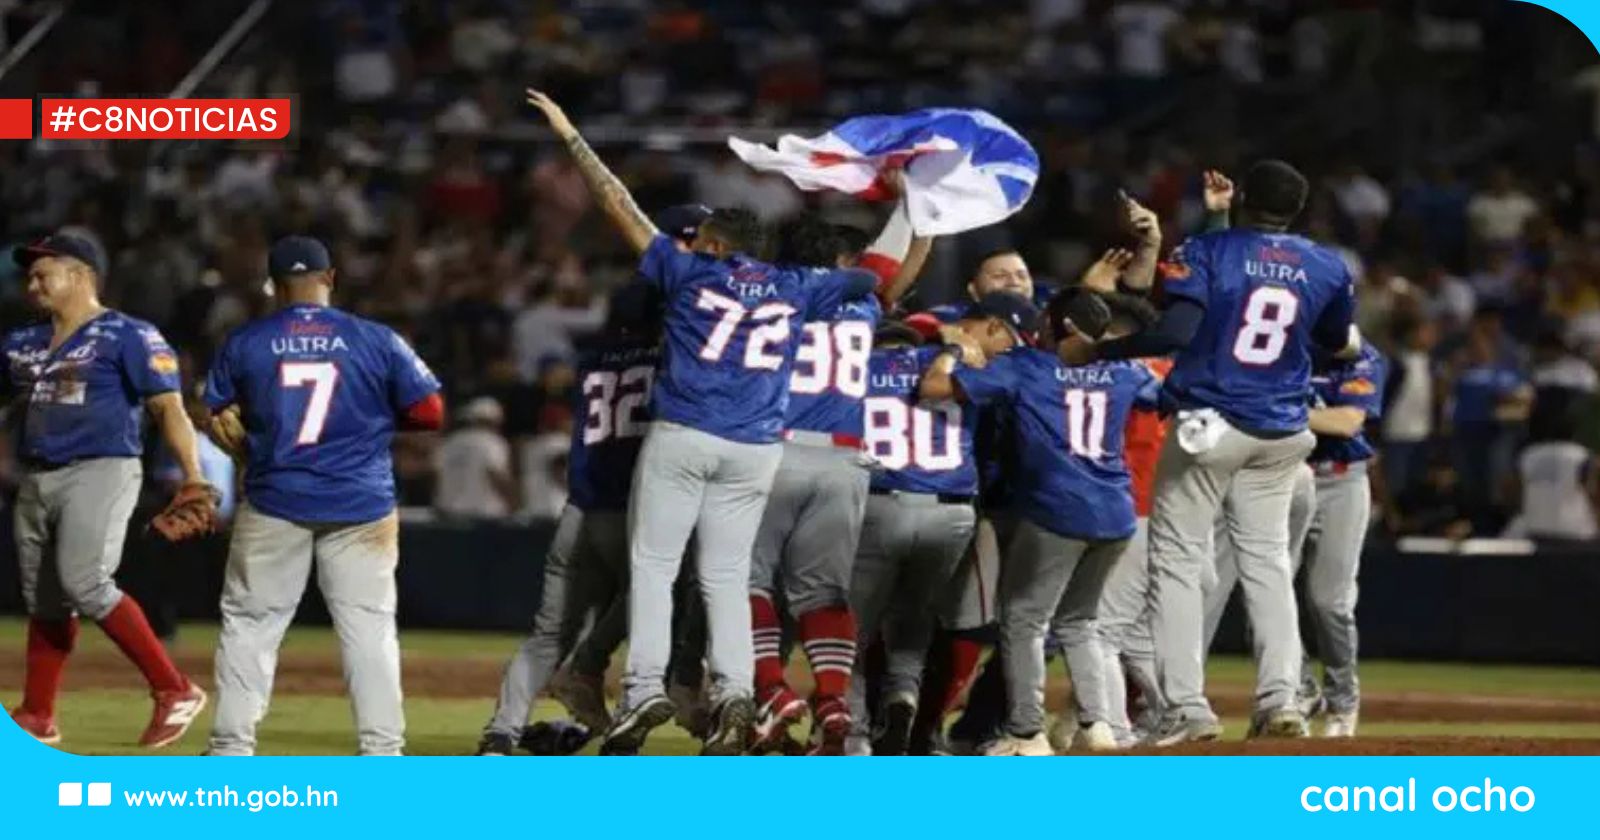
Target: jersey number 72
(323,377)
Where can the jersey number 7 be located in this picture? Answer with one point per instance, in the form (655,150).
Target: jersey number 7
(322,377)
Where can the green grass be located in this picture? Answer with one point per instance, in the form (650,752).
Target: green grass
(105,722)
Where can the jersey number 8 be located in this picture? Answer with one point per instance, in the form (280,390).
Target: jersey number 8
(901,435)
(1268,314)
(614,401)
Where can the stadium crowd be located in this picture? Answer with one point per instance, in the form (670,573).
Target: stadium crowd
(1475,237)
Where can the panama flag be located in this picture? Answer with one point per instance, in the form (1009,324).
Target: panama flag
(964,167)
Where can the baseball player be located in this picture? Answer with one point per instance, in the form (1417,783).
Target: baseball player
(919,517)
(310,397)
(586,569)
(807,541)
(1245,307)
(732,326)
(1074,505)
(78,383)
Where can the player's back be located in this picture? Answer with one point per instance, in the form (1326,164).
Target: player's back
(731,327)
(614,384)
(319,390)
(1264,294)
(830,371)
(919,447)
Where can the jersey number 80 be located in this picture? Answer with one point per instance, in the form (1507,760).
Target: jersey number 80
(900,435)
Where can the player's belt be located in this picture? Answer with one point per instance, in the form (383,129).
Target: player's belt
(805,438)
(941,498)
(36,465)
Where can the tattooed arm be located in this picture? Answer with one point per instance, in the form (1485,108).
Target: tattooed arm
(607,189)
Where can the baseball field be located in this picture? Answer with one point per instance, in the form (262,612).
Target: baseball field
(451,678)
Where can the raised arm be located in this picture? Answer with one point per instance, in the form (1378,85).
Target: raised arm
(1218,199)
(1140,273)
(897,255)
(608,190)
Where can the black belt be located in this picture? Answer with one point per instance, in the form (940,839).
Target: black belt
(944,498)
(37,466)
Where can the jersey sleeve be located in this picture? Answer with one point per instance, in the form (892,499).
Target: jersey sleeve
(826,291)
(1361,388)
(993,383)
(220,391)
(148,363)
(663,265)
(1187,272)
(410,379)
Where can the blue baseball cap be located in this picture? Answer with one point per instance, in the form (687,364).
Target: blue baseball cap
(683,221)
(297,255)
(1016,311)
(80,248)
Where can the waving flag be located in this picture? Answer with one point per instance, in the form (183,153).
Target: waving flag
(964,167)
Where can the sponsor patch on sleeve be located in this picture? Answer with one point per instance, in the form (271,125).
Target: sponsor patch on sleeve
(164,363)
(1359,387)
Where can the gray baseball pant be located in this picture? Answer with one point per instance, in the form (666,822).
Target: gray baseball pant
(70,524)
(1219,588)
(1052,583)
(688,481)
(1124,621)
(1252,479)
(1333,562)
(269,562)
(585,573)
(911,544)
(811,527)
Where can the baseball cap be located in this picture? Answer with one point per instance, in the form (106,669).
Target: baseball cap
(296,255)
(1081,308)
(80,248)
(1016,311)
(682,221)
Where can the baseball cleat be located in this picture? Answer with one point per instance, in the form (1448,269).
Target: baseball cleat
(1178,729)
(693,715)
(899,715)
(496,743)
(732,720)
(1060,734)
(832,729)
(42,729)
(1278,723)
(633,726)
(1096,737)
(1340,724)
(780,710)
(584,698)
(558,737)
(1038,745)
(175,711)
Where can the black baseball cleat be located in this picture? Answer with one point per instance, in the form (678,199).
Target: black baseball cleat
(632,727)
(496,743)
(894,737)
(731,722)
(560,737)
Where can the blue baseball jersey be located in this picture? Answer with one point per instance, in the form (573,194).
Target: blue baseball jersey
(830,370)
(86,398)
(1479,390)
(614,406)
(1264,294)
(919,447)
(1358,383)
(732,330)
(318,390)
(1071,479)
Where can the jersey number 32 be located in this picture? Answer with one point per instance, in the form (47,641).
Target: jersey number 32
(615,403)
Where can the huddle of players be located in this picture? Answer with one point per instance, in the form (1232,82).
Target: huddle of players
(833,470)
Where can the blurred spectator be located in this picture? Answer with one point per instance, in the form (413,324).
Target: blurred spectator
(1408,420)
(1143,30)
(1559,483)
(1564,387)
(1499,211)
(1491,399)
(474,465)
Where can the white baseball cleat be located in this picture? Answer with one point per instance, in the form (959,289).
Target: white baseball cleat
(1096,737)
(1011,745)
(1061,732)
(1278,723)
(1340,724)
(1178,729)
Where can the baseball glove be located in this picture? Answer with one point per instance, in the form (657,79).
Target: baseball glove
(191,513)
(227,429)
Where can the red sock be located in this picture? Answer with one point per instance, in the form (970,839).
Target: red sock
(49,644)
(964,656)
(767,633)
(127,626)
(829,636)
